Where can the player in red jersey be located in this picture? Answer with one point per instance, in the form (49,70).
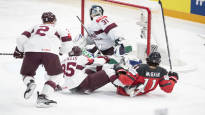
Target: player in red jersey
(144,78)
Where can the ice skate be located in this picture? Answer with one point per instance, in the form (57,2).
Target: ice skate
(30,89)
(43,102)
(134,90)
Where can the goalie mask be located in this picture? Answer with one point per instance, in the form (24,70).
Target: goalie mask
(96,10)
(76,51)
(154,59)
(48,17)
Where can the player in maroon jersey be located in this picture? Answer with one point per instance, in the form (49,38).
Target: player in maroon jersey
(144,78)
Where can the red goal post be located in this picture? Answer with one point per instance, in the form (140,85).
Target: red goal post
(122,4)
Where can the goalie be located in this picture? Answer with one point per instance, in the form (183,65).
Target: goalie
(102,32)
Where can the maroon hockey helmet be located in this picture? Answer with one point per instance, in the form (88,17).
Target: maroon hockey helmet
(76,51)
(48,17)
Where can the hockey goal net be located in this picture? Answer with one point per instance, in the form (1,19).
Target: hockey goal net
(140,22)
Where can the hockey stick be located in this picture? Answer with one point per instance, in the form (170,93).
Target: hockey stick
(165,30)
(6,53)
(90,35)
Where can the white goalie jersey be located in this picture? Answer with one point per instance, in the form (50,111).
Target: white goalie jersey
(45,38)
(103,32)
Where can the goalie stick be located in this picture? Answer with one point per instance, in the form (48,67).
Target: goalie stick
(89,35)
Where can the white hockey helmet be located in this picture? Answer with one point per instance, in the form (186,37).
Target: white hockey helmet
(96,10)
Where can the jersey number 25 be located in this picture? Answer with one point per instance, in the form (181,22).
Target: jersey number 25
(68,69)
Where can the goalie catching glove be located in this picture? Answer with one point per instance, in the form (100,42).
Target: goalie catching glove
(18,54)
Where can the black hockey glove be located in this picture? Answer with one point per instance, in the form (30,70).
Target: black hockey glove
(173,76)
(18,54)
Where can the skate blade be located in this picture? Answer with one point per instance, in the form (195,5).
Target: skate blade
(30,93)
(42,105)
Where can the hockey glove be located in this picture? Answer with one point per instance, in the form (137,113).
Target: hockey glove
(173,76)
(18,54)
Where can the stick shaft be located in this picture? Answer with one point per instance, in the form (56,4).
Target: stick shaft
(89,34)
(165,30)
(6,53)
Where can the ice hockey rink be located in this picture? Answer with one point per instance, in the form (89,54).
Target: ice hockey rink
(187,98)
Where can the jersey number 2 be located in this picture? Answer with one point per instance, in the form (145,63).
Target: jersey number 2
(42,30)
